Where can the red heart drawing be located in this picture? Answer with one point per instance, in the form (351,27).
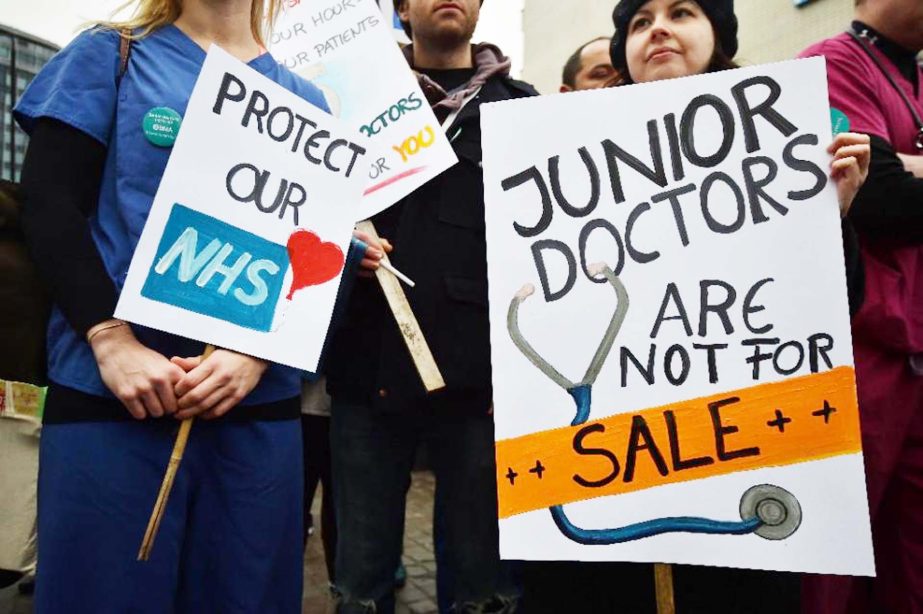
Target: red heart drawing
(314,262)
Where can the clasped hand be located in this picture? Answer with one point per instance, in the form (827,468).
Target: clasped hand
(149,384)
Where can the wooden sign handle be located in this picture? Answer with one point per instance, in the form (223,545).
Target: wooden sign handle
(663,585)
(179,448)
(407,323)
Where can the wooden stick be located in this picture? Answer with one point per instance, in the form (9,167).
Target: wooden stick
(663,584)
(407,323)
(160,506)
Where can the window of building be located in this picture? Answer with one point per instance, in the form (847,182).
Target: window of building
(21,57)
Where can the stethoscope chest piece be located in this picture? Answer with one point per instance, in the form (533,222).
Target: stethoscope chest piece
(777,509)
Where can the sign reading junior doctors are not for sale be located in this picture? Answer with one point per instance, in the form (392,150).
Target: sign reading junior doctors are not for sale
(671,351)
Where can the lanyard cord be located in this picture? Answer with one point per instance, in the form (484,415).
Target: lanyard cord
(862,38)
(451,117)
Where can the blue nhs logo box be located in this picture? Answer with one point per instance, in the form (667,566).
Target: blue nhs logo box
(209,267)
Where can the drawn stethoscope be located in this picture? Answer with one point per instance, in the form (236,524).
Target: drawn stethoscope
(769,511)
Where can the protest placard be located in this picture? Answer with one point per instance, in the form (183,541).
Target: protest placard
(347,49)
(675,249)
(246,240)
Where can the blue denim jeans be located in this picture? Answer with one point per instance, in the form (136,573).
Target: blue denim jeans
(373,454)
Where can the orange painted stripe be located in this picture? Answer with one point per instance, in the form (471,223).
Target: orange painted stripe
(743,429)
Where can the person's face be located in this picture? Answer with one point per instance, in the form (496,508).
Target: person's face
(444,22)
(595,67)
(668,38)
(900,20)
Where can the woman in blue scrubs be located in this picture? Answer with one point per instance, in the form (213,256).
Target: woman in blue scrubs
(230,540)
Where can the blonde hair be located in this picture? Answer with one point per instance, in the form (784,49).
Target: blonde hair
(150,15)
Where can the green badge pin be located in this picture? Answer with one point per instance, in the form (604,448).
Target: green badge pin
(161,126)
(839,121)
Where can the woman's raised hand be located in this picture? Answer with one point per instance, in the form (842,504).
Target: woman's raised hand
(373,254)
(850,166)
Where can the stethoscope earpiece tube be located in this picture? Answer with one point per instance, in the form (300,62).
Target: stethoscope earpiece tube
(512,325)
(605,346)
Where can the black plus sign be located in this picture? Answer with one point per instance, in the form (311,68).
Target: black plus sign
(780,421)
(825,412)
(511,476)
(538,469)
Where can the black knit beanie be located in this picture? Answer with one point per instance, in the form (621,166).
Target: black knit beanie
(719,12)
(406,24)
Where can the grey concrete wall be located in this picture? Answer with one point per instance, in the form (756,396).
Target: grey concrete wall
(770,30)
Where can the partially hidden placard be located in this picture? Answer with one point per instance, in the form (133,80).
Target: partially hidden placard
(671,351)
(347,49)
(245,243)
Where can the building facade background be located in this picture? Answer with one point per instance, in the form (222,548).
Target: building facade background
(21,57)
(538,34)
(770,30)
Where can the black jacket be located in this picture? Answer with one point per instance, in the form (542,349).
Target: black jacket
(438,237)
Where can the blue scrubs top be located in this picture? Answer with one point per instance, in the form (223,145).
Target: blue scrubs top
(78,87)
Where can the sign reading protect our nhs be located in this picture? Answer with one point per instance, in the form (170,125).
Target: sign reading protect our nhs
(246,240)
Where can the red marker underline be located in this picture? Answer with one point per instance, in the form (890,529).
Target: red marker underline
(394,179)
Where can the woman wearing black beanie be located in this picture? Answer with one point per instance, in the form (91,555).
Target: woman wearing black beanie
(702,36)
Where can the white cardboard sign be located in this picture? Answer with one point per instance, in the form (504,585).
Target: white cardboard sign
(246,240)
(722,428)
(347,49)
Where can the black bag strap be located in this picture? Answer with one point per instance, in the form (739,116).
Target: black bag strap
(862,38)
